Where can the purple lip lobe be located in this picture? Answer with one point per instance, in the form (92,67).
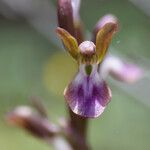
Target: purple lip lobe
(88,99)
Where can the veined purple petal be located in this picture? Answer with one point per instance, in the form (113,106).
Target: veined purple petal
(88,96)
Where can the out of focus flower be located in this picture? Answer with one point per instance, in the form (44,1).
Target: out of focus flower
(33,122)
(120,70)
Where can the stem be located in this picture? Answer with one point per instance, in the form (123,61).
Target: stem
(78,131)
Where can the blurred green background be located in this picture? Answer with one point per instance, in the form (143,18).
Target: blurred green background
(32,64)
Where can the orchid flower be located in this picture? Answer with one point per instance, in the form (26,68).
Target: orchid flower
(88,94)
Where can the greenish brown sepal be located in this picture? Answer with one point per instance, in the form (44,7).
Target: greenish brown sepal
(69,41)
(103,39)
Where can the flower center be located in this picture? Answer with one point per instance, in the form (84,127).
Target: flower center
(87,48)
(87,53)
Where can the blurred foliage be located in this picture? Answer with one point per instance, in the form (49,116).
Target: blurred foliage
(67,67)
(32,65)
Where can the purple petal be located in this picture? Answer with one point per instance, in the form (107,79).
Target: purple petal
(88,98)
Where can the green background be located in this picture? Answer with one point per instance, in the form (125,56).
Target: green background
(24,59)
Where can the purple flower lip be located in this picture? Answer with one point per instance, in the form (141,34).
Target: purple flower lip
(87,96)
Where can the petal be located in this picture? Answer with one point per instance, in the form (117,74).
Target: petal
(103,39)
(69,41)
(87,97)
(102,21)
(107,27)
